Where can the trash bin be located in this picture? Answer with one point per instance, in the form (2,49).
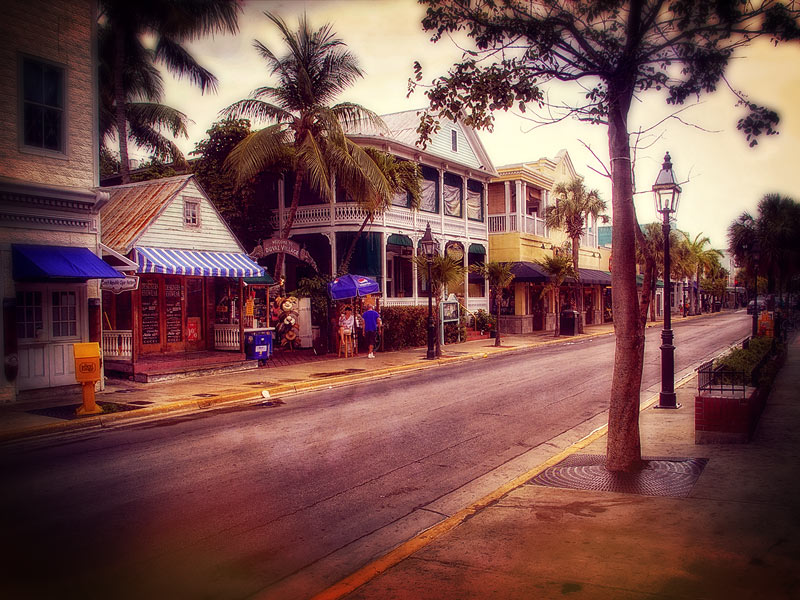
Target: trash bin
(87,373)
(569,322)
(258,345)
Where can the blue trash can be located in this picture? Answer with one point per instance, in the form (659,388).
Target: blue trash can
(258,345)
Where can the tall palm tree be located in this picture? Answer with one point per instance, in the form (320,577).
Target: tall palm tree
(574,205)
(699,259)
(304,129)
(650,254)
(402,176)
(500,277)
(559,267)
(445,271)
(171,23)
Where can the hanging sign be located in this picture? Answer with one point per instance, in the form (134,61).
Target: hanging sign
(281,245)
(120,284)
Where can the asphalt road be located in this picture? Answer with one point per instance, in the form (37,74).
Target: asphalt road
(283,501)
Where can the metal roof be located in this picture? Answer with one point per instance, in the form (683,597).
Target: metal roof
(133,207)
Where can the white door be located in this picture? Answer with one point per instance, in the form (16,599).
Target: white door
(50,319)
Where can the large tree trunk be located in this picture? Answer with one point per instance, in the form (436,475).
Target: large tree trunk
(624,446)
(645,303)
(119,108)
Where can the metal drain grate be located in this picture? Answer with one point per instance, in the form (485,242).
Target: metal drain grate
(205,395)
(660,476)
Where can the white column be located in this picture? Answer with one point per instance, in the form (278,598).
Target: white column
(383,265)
(414,273)
(507,190)
(331,237)
(332,206)
(464,205)
(281,202)
(441,199)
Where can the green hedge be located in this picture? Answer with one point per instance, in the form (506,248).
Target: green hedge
(404,326)
(748,360)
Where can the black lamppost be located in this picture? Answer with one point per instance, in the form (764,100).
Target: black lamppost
(667,193)
(428,246)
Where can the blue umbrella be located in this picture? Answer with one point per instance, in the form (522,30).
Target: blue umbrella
(350,286)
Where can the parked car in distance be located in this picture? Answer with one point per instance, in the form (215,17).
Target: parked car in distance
(751,306)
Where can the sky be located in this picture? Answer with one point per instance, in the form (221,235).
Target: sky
(721,176)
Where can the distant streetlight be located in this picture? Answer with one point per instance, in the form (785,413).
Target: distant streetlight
(667,193)
(428,246)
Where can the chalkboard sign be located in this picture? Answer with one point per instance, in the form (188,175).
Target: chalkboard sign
(150,315)
(174,312)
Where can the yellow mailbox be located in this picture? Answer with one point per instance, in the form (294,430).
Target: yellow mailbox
(87,373)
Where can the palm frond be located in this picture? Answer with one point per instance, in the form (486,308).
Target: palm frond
(258,151)
(182,64)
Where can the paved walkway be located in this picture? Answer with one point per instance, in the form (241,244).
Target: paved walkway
(736,535)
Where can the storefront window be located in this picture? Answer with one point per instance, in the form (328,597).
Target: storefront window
(29,314)
(65,314)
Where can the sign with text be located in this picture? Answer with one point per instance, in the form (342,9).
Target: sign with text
(281,245)
(120,284)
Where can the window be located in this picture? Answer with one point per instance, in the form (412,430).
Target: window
(42,105)
(454,140)
(65,314)
(30,320)
(191,213)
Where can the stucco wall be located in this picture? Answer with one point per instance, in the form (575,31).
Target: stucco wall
(59,31)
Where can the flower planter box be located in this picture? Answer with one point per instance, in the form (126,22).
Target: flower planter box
(727,418)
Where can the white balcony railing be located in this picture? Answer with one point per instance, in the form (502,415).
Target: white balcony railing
(226,337)
(350,213)
(118,343)
(518,223)
(404,301)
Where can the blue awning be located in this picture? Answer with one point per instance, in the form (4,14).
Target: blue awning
(195,262)
(35,263)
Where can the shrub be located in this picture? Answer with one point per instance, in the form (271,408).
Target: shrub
(485,321)
(747,360)
(404,326)
(455,332)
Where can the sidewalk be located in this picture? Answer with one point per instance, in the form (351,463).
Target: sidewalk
(284,376)
(736,535)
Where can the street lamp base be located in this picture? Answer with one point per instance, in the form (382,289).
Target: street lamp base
(667,400)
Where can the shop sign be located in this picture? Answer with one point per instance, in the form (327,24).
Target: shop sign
(281,245)
(120,284)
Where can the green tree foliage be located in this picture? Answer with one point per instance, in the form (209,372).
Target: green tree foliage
(768,243)
(613,51)
(500,277)
(304,129)
(699,260)
(573,207)
(238,205)
(131,88)
(445,272)
(559,267)
(153,168)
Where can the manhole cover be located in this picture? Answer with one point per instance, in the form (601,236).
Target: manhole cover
(660,476)
(206,395)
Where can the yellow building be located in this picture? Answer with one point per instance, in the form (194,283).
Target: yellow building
(517,203)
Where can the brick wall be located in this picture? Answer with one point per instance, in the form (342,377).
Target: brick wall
(59,31)
(726,420)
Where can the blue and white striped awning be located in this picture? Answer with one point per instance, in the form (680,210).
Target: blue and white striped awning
(196,262)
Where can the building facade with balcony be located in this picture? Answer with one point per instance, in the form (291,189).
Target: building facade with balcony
(49,224)
(456,171)
(518,199)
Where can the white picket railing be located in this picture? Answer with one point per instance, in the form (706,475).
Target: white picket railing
(117,343)
(226,337)
(476,304)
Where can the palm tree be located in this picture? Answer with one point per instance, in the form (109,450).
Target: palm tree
(650,253)
(500,277)
(402,176)
(559,267)
(701,259)
(444,272)
(131,72)
(574,204)
(304,129)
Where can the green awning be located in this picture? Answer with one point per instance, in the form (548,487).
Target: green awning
(399,240)
(477,249)
(265,279)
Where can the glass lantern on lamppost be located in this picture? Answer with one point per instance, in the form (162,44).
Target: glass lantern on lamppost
(667,193)
(428,247)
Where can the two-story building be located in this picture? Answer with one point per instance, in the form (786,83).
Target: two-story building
(517,203)
(49,225)
(456,171)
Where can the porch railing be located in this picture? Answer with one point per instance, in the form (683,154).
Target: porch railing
(521,223)
(226,337)
(117,343)
(476,304)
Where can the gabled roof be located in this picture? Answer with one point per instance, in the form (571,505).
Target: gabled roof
(544,172)
(134,206)
(402,130)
